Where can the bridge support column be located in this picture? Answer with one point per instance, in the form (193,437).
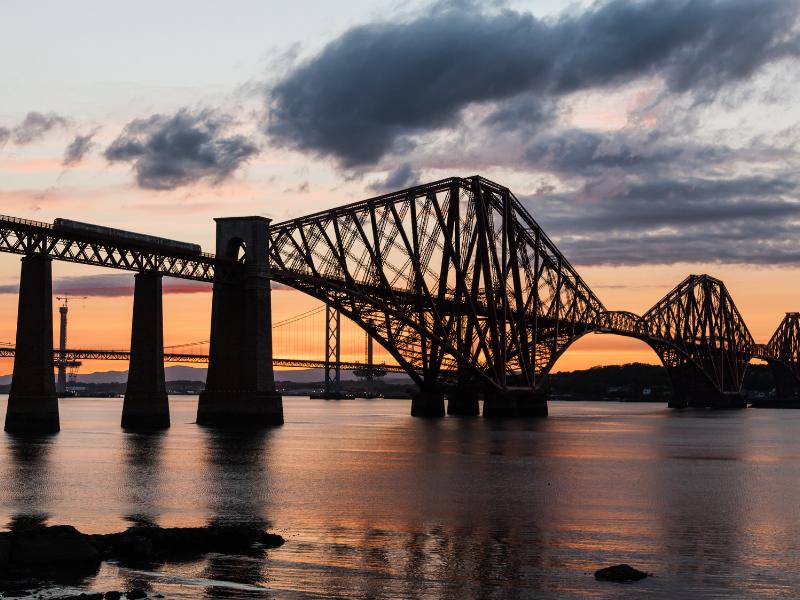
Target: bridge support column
(146,405)
(514,402)
(463,400)
(690,389)
(32,402)
(240,386)
(428,402)
(787,388)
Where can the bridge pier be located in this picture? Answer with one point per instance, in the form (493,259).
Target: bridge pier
(690,389)
(514,402)
(464,399)
(787,388)
(428,402)
(240,386)
(32,401)
(146,405)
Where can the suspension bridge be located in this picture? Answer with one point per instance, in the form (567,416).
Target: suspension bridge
(454,280)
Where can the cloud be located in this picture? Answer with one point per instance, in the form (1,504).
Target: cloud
(35,126)
(370,91)
(78,148)
(747,219)
(114,285)
(5,134)
(172,151)
(400,178)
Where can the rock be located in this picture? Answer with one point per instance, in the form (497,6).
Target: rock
(95,596)
(113,595)
(5,549)
(136,594)
(52,546)
(156,544)
(619,573)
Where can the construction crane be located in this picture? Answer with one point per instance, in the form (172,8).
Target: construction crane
(63,364)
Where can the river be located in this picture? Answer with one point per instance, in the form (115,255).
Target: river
(376,504)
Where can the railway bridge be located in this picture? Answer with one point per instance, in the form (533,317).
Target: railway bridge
(454,278)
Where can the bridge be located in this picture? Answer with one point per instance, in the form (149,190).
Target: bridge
(455,279)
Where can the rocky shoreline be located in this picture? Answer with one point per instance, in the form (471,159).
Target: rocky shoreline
(31,556)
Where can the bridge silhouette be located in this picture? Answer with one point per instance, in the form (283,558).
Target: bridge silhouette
(455,279)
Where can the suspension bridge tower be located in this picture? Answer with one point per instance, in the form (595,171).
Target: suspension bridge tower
(63,364)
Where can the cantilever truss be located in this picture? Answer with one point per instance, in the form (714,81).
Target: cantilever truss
(697,324)
(448,275)
(784,345)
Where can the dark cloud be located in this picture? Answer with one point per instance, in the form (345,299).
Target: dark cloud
(5,133)
(400,178)
(36,125)
(78,148)
(171,151)
(752,220)
(377,85)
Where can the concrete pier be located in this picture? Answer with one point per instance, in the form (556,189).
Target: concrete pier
(146,405)
(240,386)
(32,401)
(514,402)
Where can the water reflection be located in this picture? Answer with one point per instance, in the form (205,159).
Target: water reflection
(703,518)
(237,475)
(28,478)
(237,491)
(143,476)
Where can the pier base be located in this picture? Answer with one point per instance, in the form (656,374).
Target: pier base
(463,402)
(427,403)
(146,405)
(32,401)
(515,402)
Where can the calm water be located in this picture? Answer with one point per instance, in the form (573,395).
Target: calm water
(375,504)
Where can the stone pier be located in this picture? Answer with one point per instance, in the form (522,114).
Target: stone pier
(428,401)
(240,386)
(514,402)
(32,402)
(146,405)
(464,399)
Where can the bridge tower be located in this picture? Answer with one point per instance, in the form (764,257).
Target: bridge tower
(32,401)
(240,386)
(333,353)
(783,356)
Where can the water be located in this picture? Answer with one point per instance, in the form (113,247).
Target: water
(376,504)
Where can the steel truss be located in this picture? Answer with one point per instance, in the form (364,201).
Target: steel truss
(451,273)
(71,355)
(21,236)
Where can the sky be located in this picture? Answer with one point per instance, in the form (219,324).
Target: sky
(650,139)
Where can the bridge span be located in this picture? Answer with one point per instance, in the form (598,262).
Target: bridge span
(455,279)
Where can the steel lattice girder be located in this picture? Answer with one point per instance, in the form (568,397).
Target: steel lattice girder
(784,345)
(21,236)
(697,323)
(70,355)
(451,273)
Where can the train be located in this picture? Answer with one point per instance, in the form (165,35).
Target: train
(71,226)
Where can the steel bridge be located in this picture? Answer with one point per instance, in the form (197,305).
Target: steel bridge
(455,279)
